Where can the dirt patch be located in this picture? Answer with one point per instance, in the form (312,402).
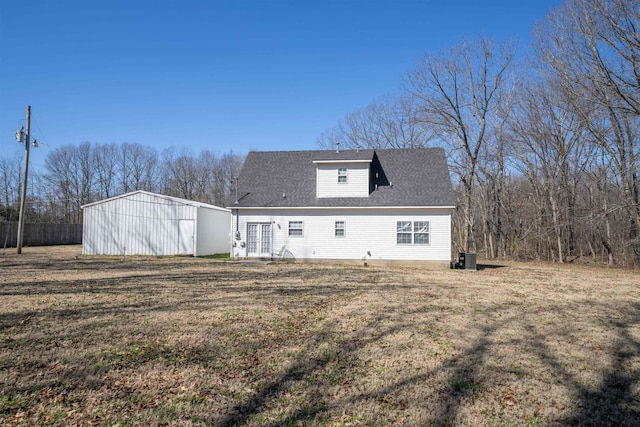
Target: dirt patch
(188,341)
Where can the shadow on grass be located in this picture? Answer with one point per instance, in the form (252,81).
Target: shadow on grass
(490,266)
(614,402)
(312,292)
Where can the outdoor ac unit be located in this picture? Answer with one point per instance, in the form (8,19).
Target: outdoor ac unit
(467,261)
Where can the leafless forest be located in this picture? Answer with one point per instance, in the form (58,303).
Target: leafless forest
(75,175)
(543,148)
(542,142)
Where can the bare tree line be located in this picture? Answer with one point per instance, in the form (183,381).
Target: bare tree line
(543,151)
(75,175)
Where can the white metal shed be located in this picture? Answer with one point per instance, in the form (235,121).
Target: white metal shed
(144,223)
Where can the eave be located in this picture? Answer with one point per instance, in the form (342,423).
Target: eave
(336,207)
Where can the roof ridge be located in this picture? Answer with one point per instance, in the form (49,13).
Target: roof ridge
(347,150)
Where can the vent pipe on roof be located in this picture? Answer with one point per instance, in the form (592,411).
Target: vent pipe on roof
(337,147)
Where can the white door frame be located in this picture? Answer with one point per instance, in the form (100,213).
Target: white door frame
(259,248)
(186,237)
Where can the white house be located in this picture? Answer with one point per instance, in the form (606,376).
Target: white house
(143,223)
(389,205)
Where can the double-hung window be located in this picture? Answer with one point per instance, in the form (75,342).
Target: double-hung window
(295,228)
(404,233)
(420,232)
(340,229)
(412,232)
(342,175)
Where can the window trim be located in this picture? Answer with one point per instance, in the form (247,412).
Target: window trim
(344,175)
(343,229)
(427,227)
(301,228)
(409,229)
(402,231)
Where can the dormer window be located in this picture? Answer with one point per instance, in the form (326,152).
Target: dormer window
(343,178)
(342,175)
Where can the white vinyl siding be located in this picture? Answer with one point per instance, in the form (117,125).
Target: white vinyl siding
(355,184)
(371,231)
(212,231)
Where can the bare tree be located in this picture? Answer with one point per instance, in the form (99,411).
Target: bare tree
(389,122)
(595,44)
(600,194)
(105,167)
(458,93)
(227,170)
(593,47)
(84,178)
(209,164)
(75,175)
(493,176)
(10,174)
(137,168)
(205,178)
(188,176)
(549,142)
(60,175)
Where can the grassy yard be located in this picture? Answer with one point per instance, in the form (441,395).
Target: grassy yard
(183,341)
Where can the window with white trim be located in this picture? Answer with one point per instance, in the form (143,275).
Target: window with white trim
(420,232)
(412,232)
(342,175)
(340,229)
(404,233)
(295,228)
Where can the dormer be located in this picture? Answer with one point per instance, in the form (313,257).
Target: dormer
(344,177)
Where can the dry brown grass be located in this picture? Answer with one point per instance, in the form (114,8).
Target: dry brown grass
(183,341)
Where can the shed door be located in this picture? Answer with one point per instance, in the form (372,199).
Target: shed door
(185,237)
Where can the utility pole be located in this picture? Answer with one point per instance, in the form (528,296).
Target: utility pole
(23,198)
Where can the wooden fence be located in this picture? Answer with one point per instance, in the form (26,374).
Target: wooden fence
(40,234)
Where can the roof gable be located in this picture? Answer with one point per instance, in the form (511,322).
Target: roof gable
(405,177)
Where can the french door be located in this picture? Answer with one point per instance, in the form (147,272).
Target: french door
(258,240)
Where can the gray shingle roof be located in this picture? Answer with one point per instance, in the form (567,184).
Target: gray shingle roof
(406,177)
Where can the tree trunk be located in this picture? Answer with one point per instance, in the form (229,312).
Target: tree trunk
(555,213)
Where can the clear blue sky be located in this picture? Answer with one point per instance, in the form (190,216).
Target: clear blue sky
(222,75)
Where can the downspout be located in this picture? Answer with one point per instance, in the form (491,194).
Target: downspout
(236,236)
(237,225)
(231,235)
